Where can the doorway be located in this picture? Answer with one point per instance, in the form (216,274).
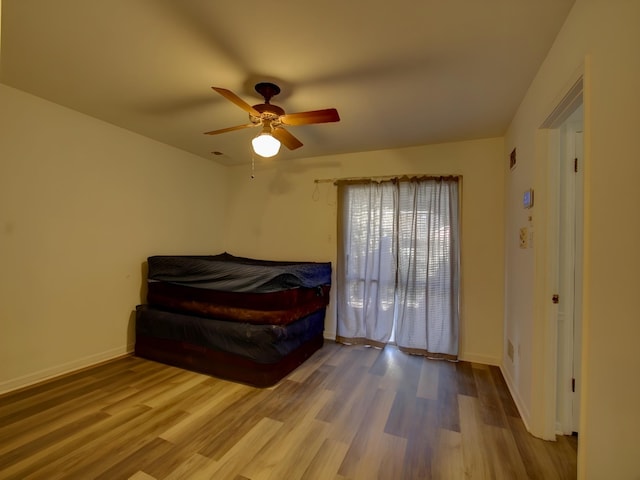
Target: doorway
(563,131)
(569,281)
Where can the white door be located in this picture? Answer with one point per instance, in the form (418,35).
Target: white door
(577,309)
(569,319)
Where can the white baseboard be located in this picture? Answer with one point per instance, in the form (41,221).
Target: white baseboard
(483,359)
(524,412)
(63,369)
(329,335)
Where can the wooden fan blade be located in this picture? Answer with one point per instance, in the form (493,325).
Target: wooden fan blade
(229,95)
(231,129)
(314,116)
(286,138)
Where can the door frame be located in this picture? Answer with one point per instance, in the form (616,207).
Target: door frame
(550,135)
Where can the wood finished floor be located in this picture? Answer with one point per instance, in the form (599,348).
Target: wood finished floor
(347,413)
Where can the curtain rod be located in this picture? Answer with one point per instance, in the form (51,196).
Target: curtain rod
(380,178)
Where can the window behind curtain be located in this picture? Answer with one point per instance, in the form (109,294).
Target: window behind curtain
(399,265)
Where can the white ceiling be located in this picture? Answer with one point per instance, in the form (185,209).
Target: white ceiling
(400,73)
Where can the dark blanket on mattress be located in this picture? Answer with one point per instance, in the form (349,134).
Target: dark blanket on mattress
(260,343)
(226,272)
(277,308)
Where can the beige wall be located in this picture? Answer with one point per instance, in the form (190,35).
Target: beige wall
(601,38)
(282,214)
(82,204)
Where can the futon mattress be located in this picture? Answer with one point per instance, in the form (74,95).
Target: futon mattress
(228,273)
(260,343)
(276,308)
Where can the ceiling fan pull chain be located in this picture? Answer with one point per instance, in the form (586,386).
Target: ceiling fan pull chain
(253,165)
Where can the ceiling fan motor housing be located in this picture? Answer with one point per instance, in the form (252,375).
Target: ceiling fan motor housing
(268,111)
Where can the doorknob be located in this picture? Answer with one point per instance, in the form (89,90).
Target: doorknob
(555,298)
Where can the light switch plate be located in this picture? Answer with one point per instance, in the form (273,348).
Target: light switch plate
(524,237)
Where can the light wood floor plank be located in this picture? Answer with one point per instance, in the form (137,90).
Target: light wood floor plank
(195,466)
(184,429)
(176,389)
(307,442)
(475,448)
(364,451)
(158,384)
(353,413)
(428,384)
(43,457)
(448,411)
(42,424)
(149,453)
(347,408)
(238,419)
(127,439)
(300,437)
(327,460)
(503,453)
(141,476)
(489,401)
(421,439)
(289,443)
(317,360)
(448,459)
(243,452)
(203,470)
(390,457)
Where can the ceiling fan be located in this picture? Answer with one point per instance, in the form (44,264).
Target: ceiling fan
(272,119)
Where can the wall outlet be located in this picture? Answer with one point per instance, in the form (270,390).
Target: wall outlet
(524,237)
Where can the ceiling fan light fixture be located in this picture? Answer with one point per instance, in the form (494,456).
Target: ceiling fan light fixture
(273,120)
(265,145)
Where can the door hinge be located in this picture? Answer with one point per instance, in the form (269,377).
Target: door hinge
(573,385)
(575,164)
(555,298)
